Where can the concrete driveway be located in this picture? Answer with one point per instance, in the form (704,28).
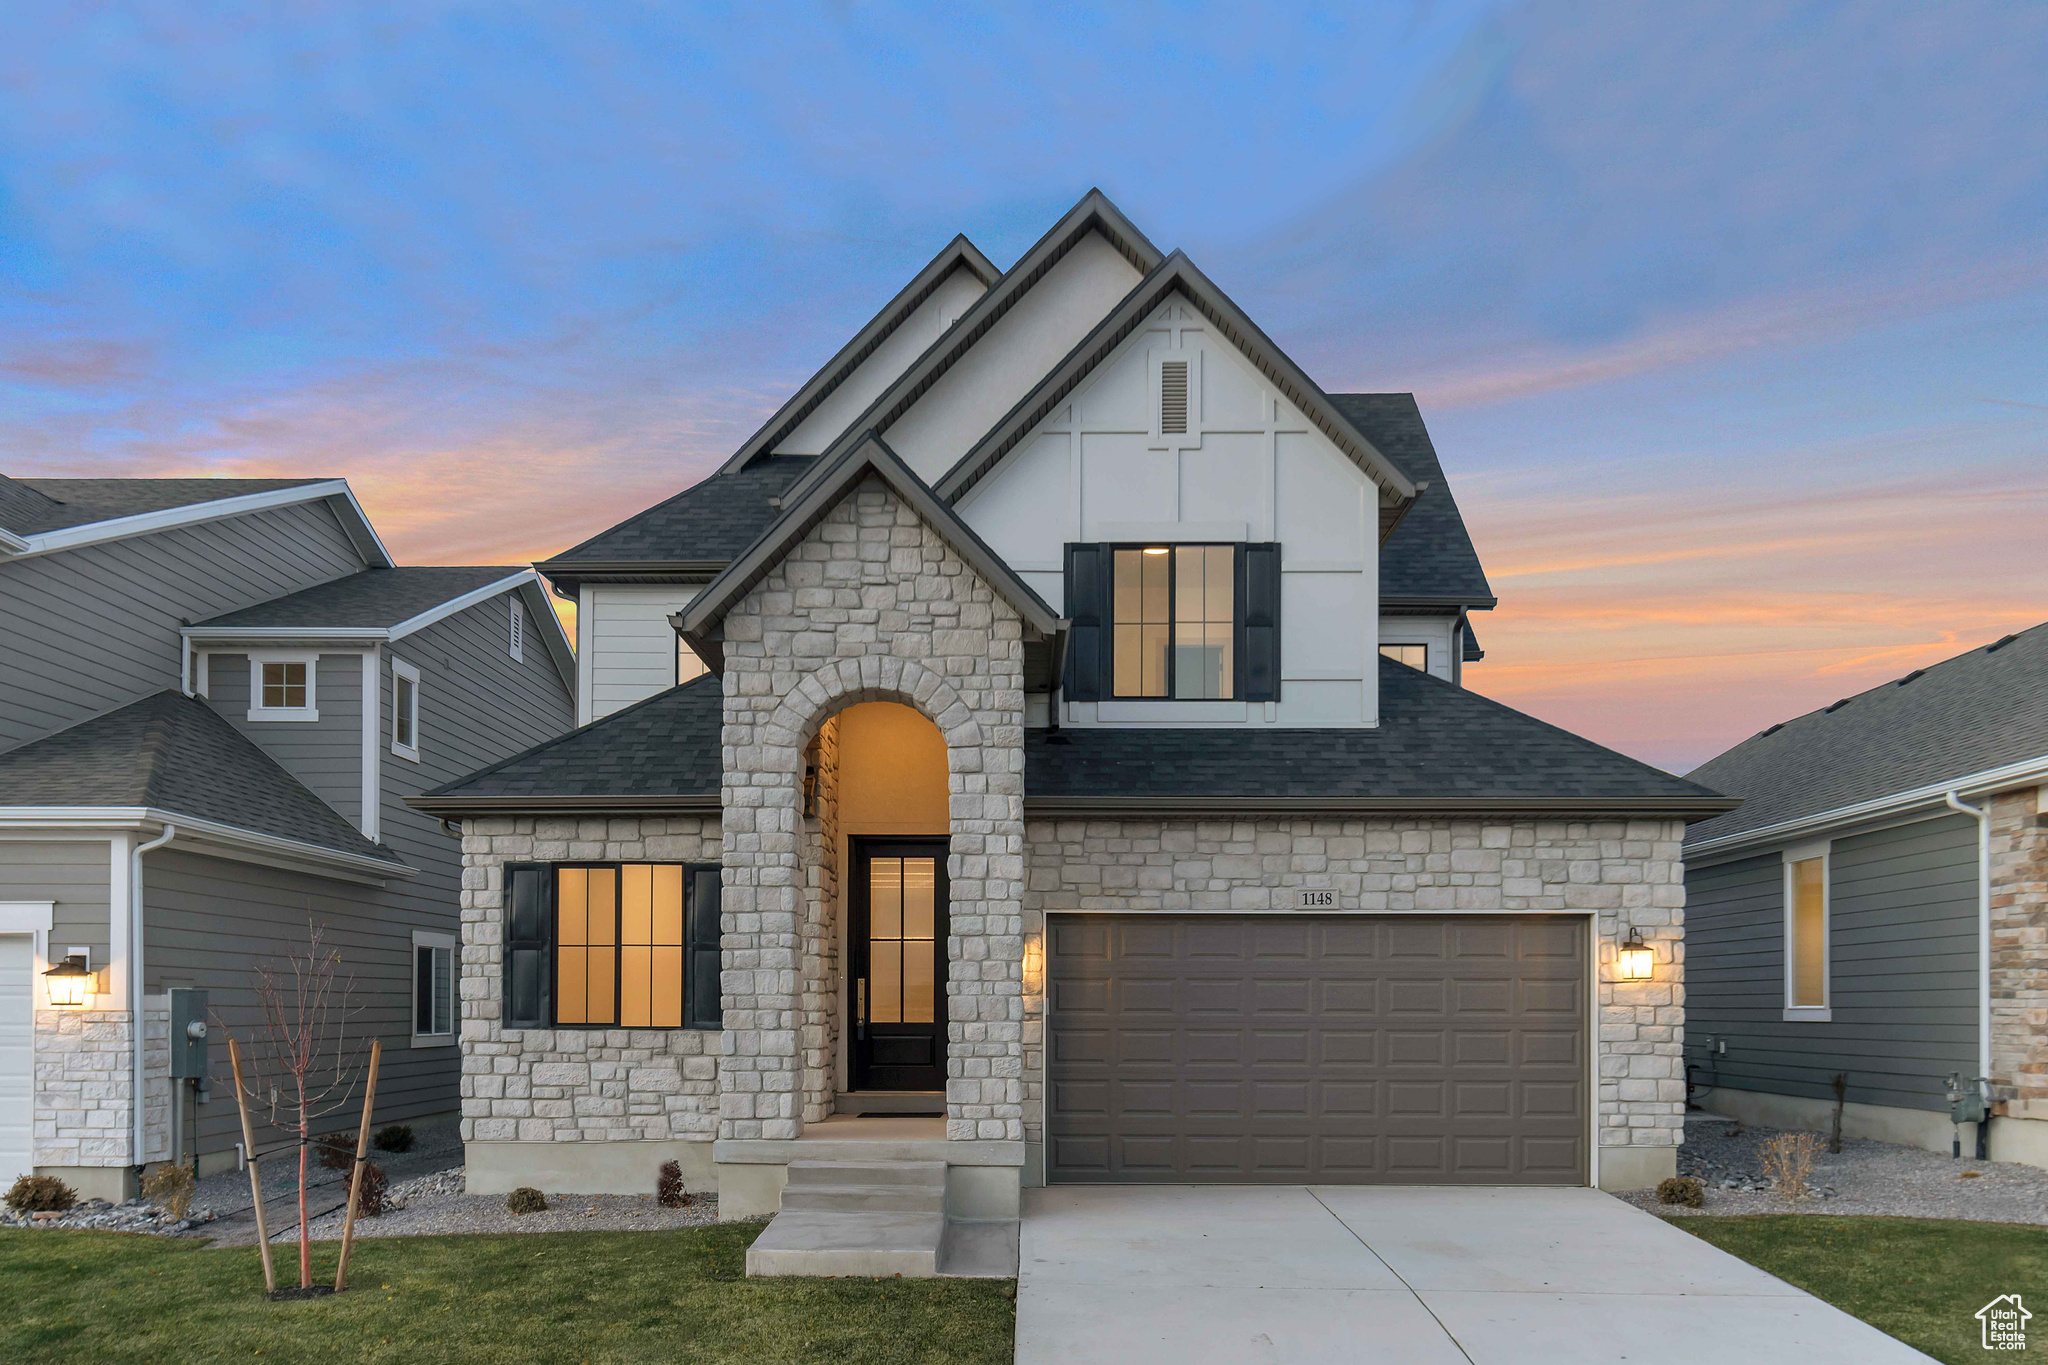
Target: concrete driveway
(1405,1276)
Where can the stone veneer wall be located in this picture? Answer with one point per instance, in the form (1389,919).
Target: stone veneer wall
(2019,953)
(872,605)
(1629,872)
(84,1085)
(574,1085)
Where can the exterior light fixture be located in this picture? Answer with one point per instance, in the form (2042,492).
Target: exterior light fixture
(69,982)
(1155,549)
(1634,960)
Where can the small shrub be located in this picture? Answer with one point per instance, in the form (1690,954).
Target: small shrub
(1682,1191)
(393,1137)
(668,1191)
(41,1194)
(526,1199)
(169,1185)
(337,1151)
(370,1203)
(1788,1160)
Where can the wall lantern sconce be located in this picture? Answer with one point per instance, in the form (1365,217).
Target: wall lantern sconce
(69,982)
(1634,960)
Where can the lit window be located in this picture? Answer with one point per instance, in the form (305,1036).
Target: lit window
(1415,656)
(281,687)
(1174,621)
(619,945)
(433,986)
(1806,934)
(405,710)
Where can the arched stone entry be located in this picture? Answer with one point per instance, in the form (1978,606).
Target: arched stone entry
(872,606)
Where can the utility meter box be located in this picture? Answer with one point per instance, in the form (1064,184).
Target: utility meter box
(1965,1099)
(188,1034)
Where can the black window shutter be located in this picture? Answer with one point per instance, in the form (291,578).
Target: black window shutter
(527,933)
(1258,654)
(701,1005)
(1087,589)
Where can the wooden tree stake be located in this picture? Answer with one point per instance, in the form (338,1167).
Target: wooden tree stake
(255,1175)
(355,1185)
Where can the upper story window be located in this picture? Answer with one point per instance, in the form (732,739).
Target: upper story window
(282,686)
(1806,932)
(1415,656)
(405,710)
(1173,622)
(516,642)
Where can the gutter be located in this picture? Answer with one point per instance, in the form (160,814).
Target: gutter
(1657,807)
(1982,814)
(198,832)
(138,1131)
(454,807)
(2027,773)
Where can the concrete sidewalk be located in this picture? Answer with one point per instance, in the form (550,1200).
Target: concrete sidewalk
(1403,1276)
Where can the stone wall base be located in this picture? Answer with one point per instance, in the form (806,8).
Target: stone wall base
(2018,1139)
(1636,1168)
(584,1167)
(115,1184)
(1928,1129)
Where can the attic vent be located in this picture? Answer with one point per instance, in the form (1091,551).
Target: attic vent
(1173,396)
(1997,645)
(1830,710)
(1910,676)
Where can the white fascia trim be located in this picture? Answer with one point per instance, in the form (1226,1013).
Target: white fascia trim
(193,514)
(2021,774)
(120,818)
(12,543)
(462,603)
(27,917)
(353,636)
(370,813)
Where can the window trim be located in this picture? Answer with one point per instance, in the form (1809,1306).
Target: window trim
(1237,618)
(258,711)
(515,630)
(553,909)
(1798,853)
(423,938)
(401,669)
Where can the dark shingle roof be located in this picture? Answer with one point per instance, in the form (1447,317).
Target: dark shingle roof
(667,746)
(372,599)
(80,502)
(22,506)
(1430,553)
(716,519)
(177,754)
(1435,742)
(1978,711)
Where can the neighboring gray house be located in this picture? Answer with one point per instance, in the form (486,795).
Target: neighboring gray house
(215,696)
(1038,755)
(1877,909)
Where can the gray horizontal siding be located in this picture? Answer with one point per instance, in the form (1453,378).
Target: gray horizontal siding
(96,627)
(1902,939)
(213,924)
(72,873)
(327,754)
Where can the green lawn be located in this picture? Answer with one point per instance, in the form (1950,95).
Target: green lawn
(1920,1279)
(579,1296)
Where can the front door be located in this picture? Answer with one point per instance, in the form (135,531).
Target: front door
(898,947)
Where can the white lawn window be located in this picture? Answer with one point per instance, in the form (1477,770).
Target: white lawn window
(1806,933)
(405,710)
(517,641)
(282,686)
(433,989)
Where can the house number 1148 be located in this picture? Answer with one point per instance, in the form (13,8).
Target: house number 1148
(1315,900)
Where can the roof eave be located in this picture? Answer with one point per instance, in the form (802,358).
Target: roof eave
(335,491)
(451,806)
(208,835)
(1688,808)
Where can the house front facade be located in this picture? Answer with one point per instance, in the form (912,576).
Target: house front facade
(215,696)
(1041,751)
(1870,928)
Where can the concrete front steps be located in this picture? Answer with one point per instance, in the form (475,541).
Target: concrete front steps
(876,1219)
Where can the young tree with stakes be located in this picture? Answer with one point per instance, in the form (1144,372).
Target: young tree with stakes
(303,1068)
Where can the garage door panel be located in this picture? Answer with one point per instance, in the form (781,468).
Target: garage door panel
(1318,1048)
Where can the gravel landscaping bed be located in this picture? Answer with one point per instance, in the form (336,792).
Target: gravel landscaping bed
(436,1204)
(1865,1177)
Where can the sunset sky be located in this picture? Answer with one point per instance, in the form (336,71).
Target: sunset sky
(1729,321)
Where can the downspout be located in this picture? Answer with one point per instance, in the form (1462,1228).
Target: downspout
(138,1131)
(1982,814)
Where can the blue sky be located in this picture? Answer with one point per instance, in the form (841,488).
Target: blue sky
(1728,320)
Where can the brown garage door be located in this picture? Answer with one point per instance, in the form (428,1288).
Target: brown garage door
(1385,1049)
